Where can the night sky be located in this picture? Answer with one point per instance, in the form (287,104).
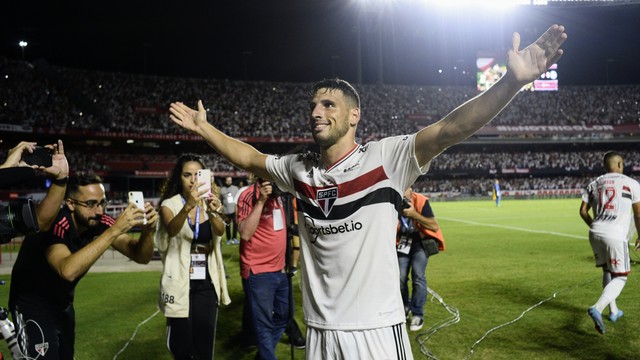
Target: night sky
(307,40)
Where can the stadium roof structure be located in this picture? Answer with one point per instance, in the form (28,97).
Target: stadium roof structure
(364,41)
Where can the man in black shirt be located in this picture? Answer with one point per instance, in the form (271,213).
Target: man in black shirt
(50,265)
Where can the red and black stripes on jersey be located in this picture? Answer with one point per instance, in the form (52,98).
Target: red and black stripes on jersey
(61,227)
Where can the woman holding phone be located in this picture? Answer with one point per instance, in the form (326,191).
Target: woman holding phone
(193,281)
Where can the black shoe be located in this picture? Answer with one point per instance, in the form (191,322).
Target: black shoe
(295,335)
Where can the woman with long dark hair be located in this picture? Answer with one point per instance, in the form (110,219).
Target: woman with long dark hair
(193,281)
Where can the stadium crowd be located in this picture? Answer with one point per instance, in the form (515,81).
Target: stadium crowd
(481,187)
(567,161)
(45,96)
(41,96)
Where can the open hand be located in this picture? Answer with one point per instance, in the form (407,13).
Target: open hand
(59,168)
(528,64)
(187,117)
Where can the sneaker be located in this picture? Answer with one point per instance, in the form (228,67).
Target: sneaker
(235,241)
(616,316)
(416,323)
(596,316)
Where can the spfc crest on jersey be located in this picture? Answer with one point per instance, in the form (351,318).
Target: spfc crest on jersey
(326,198)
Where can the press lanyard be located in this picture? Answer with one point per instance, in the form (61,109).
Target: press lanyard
(197,224)
(405,223)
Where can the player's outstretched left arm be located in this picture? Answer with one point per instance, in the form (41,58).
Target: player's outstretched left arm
(523,66)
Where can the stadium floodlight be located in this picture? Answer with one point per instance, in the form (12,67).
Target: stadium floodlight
(375,2)
(23,44)
(475,3)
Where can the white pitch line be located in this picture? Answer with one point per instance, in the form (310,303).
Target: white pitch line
(515,228)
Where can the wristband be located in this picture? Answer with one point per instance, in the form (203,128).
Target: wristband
(61,182)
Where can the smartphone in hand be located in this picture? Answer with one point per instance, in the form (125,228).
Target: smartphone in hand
(204,176)
(137,198)
(41,156)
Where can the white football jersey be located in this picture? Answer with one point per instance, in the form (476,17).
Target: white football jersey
(347,217)
(610,197)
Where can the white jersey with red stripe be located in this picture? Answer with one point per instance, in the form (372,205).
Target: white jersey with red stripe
(347,217)
(611,196)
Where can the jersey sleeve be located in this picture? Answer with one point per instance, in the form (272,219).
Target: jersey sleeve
(635,192)
(279,167)
(399,160)
(61,231)
(58,233)
(245,203)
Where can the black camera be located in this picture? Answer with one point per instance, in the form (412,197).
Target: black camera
(405,203)
(275,190)
(17,218)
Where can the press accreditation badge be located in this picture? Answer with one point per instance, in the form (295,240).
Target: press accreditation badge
(278,221)
(404,246)
(198,267)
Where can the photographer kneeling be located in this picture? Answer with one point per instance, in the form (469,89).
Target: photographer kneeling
(50,264)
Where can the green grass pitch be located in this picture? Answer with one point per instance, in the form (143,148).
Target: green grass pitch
(499,264)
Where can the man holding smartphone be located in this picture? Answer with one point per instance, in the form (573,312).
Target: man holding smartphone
(50,264)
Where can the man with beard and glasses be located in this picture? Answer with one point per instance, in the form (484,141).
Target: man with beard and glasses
(51,263)
(349,196)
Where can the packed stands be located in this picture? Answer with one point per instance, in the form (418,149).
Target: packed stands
(117,124)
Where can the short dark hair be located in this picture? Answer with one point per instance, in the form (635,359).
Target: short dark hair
(337,84)
(609,159)
(81,179)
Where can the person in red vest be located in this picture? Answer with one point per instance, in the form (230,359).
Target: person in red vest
(418,237)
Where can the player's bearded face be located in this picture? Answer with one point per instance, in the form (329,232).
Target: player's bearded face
(337,129)
(329,117)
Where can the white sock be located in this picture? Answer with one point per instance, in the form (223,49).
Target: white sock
(606,279)
(611,292)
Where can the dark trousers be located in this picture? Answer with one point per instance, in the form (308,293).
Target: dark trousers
(45,333)
(193,338)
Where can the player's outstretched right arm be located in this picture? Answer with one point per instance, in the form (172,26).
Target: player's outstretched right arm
(237,152)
